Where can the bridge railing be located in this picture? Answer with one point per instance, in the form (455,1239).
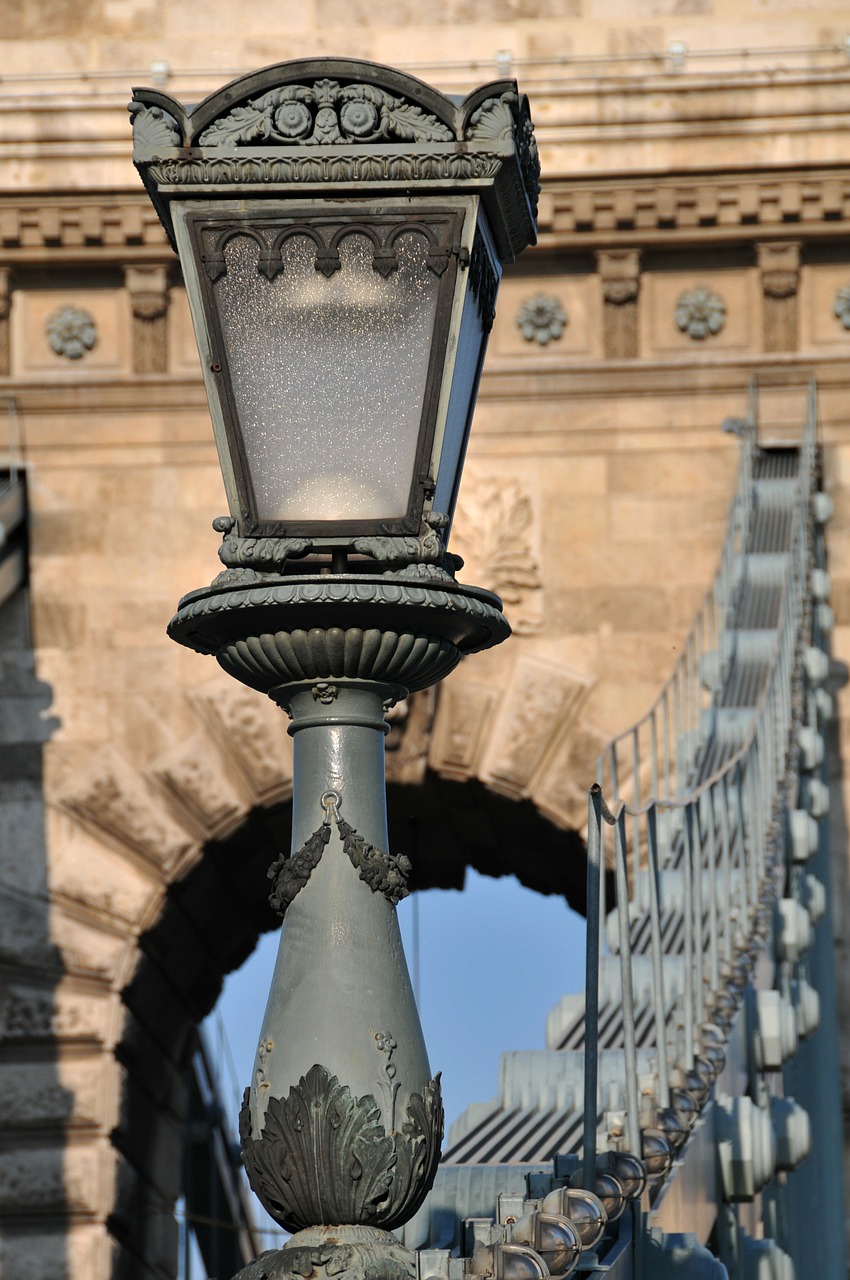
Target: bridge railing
(657,754)
(690,805)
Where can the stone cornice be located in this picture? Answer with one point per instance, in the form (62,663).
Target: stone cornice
(700,207)
(612,378)
(106,228)
(705,207)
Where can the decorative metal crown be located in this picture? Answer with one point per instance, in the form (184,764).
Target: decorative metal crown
(336,122)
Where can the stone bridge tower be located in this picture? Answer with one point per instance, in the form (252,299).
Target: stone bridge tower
(693,233)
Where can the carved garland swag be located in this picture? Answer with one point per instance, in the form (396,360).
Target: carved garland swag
(383,872)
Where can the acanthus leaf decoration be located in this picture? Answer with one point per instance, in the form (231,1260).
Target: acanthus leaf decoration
(255,121)
(290,874)
(419,1148)
(325,113)
(384,873)
(410,123)
(325,1157)
(377,1260)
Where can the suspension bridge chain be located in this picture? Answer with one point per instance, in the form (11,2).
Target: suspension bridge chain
(660,1123)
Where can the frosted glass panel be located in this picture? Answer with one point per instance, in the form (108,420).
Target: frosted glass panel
(328,375)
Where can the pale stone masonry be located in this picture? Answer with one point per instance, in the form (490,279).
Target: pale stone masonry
(595,503)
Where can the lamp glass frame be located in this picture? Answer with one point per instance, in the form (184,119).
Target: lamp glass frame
(461,217)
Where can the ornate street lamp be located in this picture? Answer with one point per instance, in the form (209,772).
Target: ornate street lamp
(342,229)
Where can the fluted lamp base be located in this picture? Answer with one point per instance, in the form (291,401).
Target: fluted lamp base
(339,627)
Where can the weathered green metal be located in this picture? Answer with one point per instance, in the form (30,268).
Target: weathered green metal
(342,1121)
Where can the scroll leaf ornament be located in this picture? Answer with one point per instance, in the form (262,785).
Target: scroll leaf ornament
(494,533)
(324,1156)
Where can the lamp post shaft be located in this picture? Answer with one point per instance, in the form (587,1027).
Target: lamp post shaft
(342,1123)
(341,995)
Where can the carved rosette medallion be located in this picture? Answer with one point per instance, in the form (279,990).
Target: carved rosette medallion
(71,332)
(324,1156)
(541,319)
(700,313)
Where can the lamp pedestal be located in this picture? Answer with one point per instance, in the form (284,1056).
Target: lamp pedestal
(342,1123)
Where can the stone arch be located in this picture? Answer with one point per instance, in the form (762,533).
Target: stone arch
(158,889)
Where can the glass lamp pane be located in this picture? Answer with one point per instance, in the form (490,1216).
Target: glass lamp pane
(328,375)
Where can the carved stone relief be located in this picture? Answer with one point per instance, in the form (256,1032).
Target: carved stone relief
(561,786)
(86,875)
(110,799)
(25,937)
(619,273)
(407,742)
(70,1092)
(841,309)
(779,263)
(148,291)
(460,728)
(195,779)
(71,332)
(251,736)
(700,313)
(542,700)
(37,1013)
(497,533)
(92,952)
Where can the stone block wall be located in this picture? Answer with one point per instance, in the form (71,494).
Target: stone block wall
(693,234)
